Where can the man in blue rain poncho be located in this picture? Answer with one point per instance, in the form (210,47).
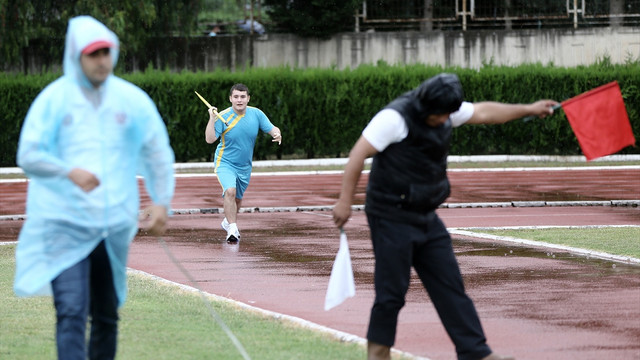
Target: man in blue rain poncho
(84,139)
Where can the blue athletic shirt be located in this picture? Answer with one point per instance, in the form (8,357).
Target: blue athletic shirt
(238,138)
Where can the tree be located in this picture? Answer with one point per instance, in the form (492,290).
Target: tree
(135,22)
(312,18)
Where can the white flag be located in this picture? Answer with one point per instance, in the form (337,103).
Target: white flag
(341,283)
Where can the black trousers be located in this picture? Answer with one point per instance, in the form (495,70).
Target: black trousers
(427,247)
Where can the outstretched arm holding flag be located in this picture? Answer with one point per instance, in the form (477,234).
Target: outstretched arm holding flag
(491,112)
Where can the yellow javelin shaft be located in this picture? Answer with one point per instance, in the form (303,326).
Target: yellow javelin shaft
(203,100)
(209,106)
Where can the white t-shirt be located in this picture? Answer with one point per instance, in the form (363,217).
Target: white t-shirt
(388,126)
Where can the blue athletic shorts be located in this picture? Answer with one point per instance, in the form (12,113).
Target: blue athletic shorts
(231,178)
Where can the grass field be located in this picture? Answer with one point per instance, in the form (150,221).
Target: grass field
(161,321)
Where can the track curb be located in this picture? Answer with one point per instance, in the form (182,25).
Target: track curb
(515,204)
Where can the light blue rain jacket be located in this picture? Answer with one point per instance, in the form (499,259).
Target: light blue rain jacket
(115,132)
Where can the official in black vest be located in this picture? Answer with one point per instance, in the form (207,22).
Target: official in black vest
(409,141)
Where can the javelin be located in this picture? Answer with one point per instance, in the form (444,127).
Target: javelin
(209,106)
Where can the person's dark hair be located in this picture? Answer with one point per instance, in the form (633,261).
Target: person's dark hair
(441,94)
(239,87)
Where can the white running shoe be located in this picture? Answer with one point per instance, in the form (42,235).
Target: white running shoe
(225,225)
(233,235)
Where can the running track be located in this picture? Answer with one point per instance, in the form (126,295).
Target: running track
(534,303)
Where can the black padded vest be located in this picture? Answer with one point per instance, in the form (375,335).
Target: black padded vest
(408,179)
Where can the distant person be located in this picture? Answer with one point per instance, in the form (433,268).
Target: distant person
(251,26)
(84,139)
(234,154)
(215,31)
(409,142)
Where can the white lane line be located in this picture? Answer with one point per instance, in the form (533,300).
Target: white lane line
(502,216)
(186,167)
(579,251)
(559,168)
(544,227)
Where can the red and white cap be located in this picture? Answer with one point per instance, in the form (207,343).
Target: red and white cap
(97,45)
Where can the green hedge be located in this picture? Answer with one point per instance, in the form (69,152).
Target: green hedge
(322,111)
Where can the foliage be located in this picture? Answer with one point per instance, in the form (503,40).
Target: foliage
(314,18)
(135,23)
(227,13)
(322,112)
(220,11)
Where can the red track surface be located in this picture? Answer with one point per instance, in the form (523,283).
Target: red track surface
(534,303)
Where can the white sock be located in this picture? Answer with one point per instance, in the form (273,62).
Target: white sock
(233,228)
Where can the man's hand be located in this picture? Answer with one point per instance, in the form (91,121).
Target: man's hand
(154,219)
(341,213)
(212,114)
(276,135)
(83,179)
(543,108)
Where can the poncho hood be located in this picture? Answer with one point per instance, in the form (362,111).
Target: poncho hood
(85,32)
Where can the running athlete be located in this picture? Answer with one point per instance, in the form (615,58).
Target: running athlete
(409,142)
(234,154)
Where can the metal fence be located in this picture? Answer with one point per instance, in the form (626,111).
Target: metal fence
(495,14)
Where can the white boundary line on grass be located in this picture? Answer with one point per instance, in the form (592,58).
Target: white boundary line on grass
(339,335)
(471,232)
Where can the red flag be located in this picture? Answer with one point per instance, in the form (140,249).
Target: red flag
(600,121)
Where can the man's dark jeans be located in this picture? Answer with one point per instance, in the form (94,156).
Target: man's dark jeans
(82,290)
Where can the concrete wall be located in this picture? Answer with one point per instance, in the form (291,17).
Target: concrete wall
(471,49)
(565,48)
